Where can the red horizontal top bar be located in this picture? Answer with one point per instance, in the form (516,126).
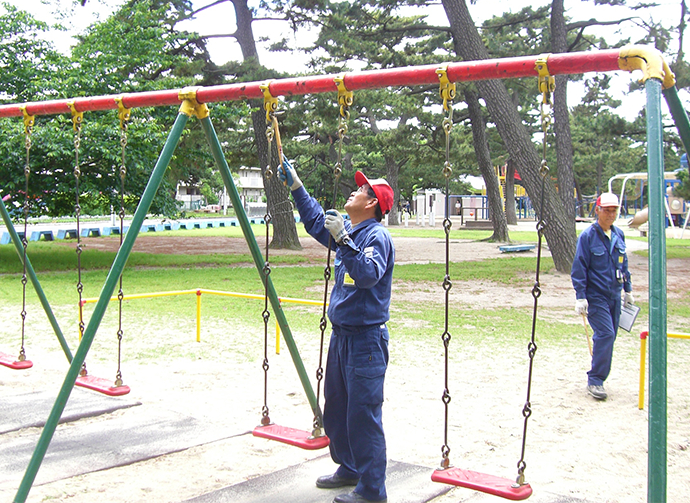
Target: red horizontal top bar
(503,68)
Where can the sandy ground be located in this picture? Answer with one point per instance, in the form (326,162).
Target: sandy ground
(576,447)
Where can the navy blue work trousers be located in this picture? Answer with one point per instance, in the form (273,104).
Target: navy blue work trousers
(353,391)
(603,315)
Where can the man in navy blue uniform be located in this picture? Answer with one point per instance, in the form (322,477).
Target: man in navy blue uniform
(358,350)
(599,274)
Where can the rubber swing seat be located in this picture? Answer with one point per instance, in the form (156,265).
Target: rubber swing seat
(13,363)
(101,385)
(490,484)
(291,436)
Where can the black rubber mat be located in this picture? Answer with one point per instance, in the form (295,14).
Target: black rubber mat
(405,483)
(30,410)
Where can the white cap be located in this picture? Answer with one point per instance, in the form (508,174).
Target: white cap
(608,200)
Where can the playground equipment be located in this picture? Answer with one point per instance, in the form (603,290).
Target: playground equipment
(445,473)
(21,363)
(674,206)
(193,102)
(316,439)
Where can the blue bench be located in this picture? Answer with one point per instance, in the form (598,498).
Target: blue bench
(67,233)
(36,235)
(227,223)
(171,226)
(516,248)
(107,231)
(91,231)
(5,238)
(151,228)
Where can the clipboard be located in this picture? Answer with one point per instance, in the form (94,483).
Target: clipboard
(629,314)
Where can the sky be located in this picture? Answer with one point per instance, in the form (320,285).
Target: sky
(215,21)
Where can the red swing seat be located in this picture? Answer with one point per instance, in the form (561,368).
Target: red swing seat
(101,385)
(291,436)
(11,362)
(490,484)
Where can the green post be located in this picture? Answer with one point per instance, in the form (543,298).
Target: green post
(101,306)
(680,117)
(34,280)
(222,164)
(656,461)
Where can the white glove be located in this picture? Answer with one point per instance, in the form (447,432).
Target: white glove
(288,175)
(335,225)
(628,298)
(581,306)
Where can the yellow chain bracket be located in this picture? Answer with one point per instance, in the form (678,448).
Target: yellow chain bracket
(270,101)
(345,98)
(190,106)
(29,120)
(546,81)
(77,117)
(123,113)
(447,88)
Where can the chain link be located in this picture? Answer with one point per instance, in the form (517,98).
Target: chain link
(266,314)
(447,284)
(28,123)
(327,273)
(536,289)
(120,294)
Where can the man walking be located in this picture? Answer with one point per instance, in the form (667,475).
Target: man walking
(599,274)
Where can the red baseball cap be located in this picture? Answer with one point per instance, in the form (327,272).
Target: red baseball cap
(383,191)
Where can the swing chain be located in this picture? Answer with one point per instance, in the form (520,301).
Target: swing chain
(546,86)
(270,105)
(28,126)
(447,91)
(124,116)
(345,101)
(77,120)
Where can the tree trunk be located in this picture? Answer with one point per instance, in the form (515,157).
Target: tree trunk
(481,148)
(511,216)
(392,175)
(244,33)
(564,143)
(559,231)
(277,195)
(278,203)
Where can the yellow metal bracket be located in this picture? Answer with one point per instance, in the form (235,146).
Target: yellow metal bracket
(77,117)
(29,120)
(190,106)
(546,81)
(122,113)
(649,61)
(345,98)
(447,88)
(270,102)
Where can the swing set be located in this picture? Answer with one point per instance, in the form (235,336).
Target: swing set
(193,102)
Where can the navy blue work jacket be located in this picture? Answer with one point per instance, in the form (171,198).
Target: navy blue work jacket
(597,259)
(361,292)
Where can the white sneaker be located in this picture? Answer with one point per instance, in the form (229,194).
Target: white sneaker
(597,391)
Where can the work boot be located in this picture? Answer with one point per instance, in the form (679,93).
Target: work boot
(335,480)
(597,391)
(354,497)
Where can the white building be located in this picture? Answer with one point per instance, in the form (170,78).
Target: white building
(250,185)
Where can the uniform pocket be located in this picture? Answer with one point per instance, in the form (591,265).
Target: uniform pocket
(368,384)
